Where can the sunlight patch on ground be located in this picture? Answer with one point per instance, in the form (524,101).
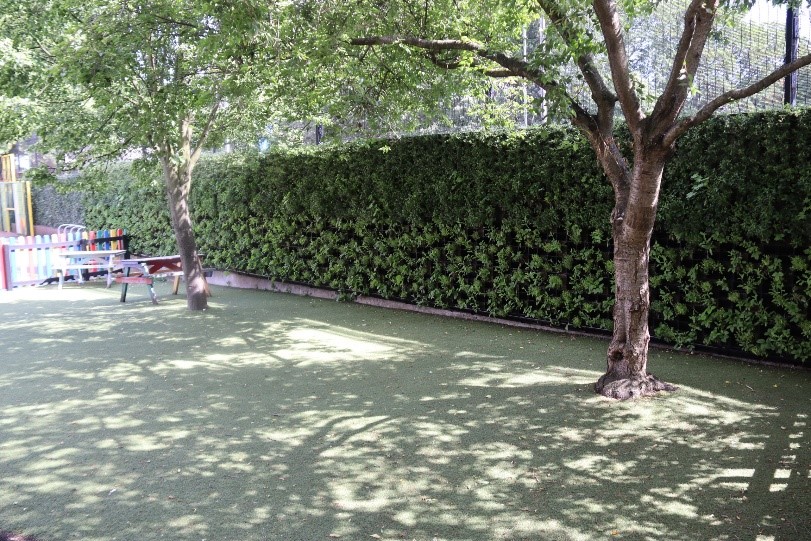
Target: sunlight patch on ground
(188,524)
(608,468)
(439,432)
(312,342)
(446,396)
(737,472)
(317,346)
(184,364)
(123,372)
(680,509)
(698,398)
(52,340)
(231,341)
(677,497)
(119,422)
(535,376)
(539,528)
(143,443)
(348,498)
(357,424)
(69,374)
(476,355)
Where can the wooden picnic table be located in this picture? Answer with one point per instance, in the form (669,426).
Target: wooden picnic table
(85,260)
(149,268)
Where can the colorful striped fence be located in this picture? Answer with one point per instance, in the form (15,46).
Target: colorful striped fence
(32,260)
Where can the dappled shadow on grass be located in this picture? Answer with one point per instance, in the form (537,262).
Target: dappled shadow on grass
(284,418)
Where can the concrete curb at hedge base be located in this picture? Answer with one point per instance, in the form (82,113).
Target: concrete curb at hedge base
(243,281)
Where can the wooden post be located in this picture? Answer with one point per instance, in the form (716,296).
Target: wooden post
(6,262)
(5,205)
(30,213)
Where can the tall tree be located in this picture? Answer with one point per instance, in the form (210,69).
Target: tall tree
(483,39)
(169,76)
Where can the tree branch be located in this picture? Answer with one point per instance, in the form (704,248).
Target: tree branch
(698,21)
(198,149)
(43,48)
(427,44)
(599,128)
(512,67)
(611,27)
(456,64)
(168,20)
(734,95)
(602,95)
(83,159)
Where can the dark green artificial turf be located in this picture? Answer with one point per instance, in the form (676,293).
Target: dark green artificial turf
(274,417)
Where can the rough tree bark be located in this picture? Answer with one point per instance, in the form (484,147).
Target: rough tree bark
(177,191)
(626,372)
(178,164)
(636,187)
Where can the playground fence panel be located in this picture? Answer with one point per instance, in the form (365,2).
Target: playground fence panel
(32,260)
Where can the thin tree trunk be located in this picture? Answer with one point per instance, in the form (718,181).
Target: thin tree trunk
(626,373)
(178,184)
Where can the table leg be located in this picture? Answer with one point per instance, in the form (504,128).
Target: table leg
(124,286)
(152,293)
(109,272)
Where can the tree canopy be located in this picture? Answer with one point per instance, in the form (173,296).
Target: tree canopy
(479,45)
(168,77)
(103,77)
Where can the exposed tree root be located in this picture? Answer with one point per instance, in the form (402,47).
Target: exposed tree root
(633,387)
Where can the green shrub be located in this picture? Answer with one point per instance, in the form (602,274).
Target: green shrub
(515,225)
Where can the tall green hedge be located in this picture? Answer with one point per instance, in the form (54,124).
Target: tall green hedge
(53,207)
(516,224)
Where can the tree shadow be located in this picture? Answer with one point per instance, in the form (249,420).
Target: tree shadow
(273,417)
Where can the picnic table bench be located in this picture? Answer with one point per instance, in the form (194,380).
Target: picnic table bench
(86,260)
(149,268)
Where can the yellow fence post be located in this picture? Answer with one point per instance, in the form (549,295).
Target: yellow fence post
(16,205)
(5,210)
(9,171)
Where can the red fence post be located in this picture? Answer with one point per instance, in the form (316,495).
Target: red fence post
(5,268)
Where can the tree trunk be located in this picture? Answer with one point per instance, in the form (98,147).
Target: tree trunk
(626,374)
(178,184)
